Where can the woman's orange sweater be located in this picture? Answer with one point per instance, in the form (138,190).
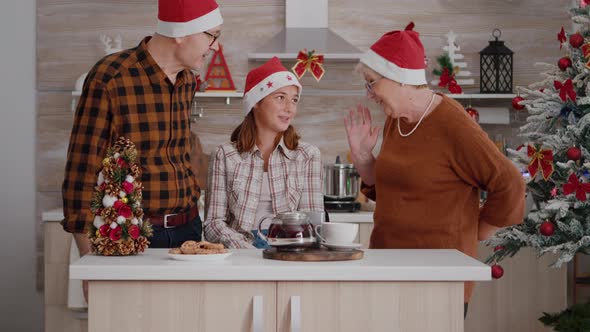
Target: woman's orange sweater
(427,184)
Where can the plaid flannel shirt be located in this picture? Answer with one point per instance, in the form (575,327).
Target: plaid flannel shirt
(127,94)
(235,181)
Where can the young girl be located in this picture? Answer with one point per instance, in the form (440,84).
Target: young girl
(265,169)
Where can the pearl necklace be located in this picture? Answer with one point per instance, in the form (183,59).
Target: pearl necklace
(419,121)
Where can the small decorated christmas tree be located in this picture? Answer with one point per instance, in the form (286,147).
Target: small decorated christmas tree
(118,228)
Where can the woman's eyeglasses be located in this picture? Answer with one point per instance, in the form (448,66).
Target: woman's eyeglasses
(369,85)
(215,37)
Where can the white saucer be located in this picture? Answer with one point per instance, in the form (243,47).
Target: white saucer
(200,258)
(341,246)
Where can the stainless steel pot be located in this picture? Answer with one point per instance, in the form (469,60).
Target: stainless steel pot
(341,181)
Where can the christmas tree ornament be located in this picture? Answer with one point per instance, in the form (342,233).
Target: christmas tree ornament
(497,271)
(498,248)
(554,192)
(473,113)
(584,3)
(576,40)
(574,185)
(516,103)
(309,61)
(565,112)
(564,63)
(547,228)
(561,37)
(540,159)
(566,89)
(574,153)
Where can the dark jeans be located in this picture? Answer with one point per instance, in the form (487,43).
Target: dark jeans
(173,237)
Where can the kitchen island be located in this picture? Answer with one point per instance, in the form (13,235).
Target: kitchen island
(388,290)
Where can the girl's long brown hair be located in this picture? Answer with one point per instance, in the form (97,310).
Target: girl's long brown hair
(244,136)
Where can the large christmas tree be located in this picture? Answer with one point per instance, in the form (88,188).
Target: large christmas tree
(557,153)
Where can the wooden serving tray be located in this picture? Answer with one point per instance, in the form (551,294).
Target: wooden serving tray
(313,255)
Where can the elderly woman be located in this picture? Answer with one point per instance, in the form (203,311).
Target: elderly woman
(265,169)
(434,159)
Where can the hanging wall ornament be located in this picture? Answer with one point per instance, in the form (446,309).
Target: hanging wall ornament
(309,61)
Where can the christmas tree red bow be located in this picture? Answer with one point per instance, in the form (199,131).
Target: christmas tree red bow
(566,89)
(561,37)
(574,185)
(309,61)
(542,159)
(586,52)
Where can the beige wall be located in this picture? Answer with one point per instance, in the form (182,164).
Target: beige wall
(68,45)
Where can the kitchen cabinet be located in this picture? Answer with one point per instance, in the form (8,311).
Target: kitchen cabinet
(182,306)
(369,306)
(388,290)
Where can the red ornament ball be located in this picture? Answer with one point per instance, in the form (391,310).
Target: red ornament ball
(576,40)
(515,103)
(564,63)
(473,113)
(547,228)
(498,248)
(497,271)
(574,153)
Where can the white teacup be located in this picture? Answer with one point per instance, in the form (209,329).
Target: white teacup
(334,232)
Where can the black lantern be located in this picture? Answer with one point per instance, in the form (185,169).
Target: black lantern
(495,67)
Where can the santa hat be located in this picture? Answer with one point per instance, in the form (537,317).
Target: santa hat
(266,79)
(179,18)
(398,56)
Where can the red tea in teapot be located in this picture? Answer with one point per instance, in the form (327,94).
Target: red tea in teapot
(289,231)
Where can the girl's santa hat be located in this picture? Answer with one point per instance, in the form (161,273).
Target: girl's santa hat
(179,18)
(266,79)
(398,56)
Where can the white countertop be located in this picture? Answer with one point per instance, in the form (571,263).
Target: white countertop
(57,215)
(248,264)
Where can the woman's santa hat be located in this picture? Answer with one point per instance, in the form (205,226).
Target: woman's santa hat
(179,18)
(398,56)
(265,80)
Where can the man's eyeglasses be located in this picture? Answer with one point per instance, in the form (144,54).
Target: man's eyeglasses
(369,85)
(215,37)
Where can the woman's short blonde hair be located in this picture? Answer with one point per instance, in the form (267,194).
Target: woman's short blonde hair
(363,70)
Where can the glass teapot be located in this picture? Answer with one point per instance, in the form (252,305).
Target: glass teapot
(289,231)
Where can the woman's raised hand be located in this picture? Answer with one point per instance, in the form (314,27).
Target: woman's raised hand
(362,138)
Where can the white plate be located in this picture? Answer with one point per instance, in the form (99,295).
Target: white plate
(342,246)
(199,258)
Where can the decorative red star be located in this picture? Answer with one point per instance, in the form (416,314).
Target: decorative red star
(561,37)
(269,84)
(289,78)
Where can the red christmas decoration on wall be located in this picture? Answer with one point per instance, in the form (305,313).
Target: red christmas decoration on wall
(218,76)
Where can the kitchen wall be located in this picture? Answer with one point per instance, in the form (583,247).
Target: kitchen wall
(20,300)
(68,45)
